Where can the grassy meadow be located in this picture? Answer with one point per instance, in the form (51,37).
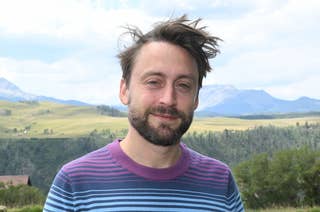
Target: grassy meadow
(47,119)
(52,120)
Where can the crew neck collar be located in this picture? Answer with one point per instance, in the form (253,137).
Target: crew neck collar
(147,172)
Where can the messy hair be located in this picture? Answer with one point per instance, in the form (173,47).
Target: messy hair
(181,32)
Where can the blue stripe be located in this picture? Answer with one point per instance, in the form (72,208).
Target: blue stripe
(56,199)
(150,206)
(59,190)
(146,198)
(135,190)
(51,205)
(130,195)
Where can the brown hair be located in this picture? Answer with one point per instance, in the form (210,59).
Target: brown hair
(182,32)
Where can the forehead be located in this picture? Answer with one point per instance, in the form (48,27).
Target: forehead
(166,58)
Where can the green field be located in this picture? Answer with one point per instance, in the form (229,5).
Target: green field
(221,123)
(47,119)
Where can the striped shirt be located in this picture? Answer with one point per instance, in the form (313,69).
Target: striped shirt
(108,180)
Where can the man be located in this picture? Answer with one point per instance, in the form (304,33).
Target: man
(150,169)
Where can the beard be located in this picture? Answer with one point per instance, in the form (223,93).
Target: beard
(163,134)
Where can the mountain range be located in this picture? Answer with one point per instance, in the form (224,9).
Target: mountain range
(230,101)
(11,92)
(214,100)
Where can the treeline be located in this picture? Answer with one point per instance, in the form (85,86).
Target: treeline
(234,146)
(287,178)
(42,158)
(110,111)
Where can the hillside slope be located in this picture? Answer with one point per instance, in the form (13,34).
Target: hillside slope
(47,119)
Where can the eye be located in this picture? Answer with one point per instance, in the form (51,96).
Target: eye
(184,87)
(153,83)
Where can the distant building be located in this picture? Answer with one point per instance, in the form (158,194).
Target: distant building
(15,180)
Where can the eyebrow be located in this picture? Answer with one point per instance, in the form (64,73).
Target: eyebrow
(158,73)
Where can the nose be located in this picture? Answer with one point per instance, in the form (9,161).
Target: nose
(168,96)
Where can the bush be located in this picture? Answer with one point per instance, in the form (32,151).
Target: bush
(35,208)
(288,178)
(21,195)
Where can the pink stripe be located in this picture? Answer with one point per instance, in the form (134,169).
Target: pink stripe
(97,174)
(205,178)
(92,160)
(208,163)
(73,165)
(205,184)
(102,181)
(208,174)
(210,170)
(63,179)
(84,165)
(106,169)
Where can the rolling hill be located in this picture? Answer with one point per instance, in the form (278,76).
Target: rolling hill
(55,120)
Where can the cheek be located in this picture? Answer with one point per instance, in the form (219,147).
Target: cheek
(139,98)
(188,102)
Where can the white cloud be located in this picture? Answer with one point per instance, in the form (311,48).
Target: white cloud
(90,73)
(270,66)
(269,45)
(305,87)
(72,20)
(67,79)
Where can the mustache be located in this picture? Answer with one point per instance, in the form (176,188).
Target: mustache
(162,110)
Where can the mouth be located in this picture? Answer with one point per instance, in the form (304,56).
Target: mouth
(165,116)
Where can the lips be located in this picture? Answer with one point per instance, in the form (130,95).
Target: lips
(165,116)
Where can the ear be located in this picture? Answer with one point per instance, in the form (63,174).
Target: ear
(124,92)
(196,103)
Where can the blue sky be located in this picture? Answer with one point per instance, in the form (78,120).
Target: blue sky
(67,49)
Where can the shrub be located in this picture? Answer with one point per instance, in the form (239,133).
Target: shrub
(21,195)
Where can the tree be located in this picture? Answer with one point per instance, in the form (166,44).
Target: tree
(288,178)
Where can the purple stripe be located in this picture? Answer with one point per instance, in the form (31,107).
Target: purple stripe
(205,184)
(81,182)
(206,178)
(208,174)
(98,174)
(208,163)
(94,167)
(147,172)
(210,170)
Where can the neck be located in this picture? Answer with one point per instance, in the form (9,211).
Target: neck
(145,153)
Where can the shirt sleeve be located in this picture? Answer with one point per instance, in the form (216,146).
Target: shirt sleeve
(233,196)
(60,196)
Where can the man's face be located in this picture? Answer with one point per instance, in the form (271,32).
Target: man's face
(162,93)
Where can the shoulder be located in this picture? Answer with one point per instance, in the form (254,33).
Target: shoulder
(205,163)
(90,159)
